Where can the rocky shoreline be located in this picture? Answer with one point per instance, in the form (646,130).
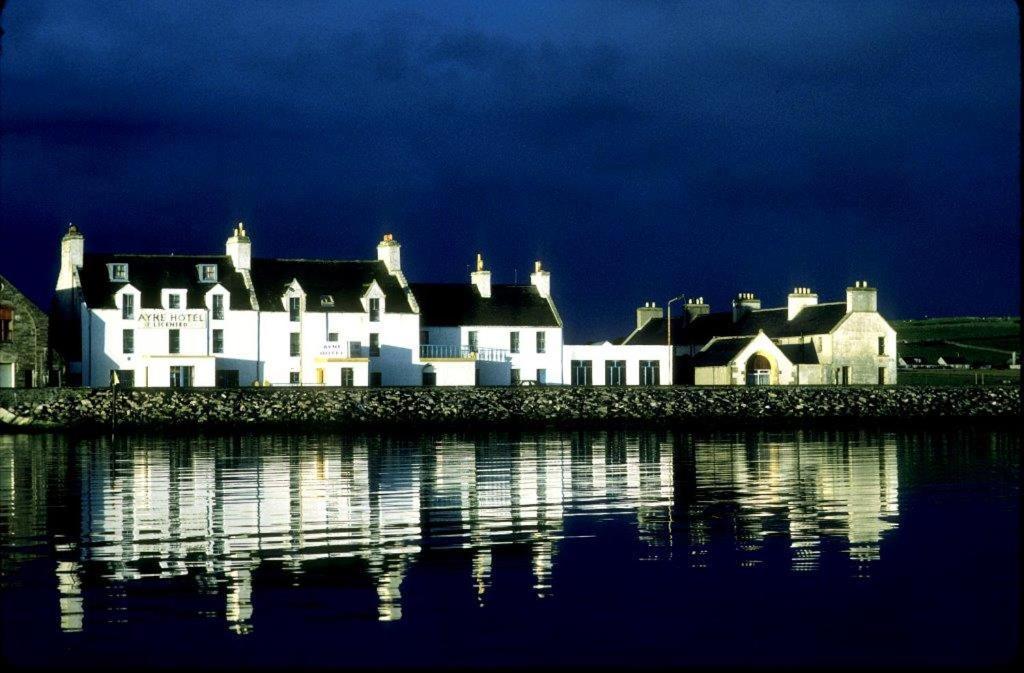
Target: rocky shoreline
(339,408)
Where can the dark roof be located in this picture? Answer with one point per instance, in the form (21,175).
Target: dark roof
(152,273)
(452,304)
(819,319)
(346,281)
(799,354)
(721,351)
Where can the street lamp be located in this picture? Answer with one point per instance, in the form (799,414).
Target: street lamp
(668,339)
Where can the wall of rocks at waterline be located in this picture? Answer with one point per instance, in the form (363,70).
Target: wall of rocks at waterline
(71,408)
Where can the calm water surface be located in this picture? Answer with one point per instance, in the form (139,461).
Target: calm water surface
(621,547)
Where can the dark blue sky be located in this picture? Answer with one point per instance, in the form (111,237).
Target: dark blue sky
(641,149)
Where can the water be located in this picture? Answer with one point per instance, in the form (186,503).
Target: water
(588,548)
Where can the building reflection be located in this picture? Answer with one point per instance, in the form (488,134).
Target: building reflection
(216,510)
(805,490)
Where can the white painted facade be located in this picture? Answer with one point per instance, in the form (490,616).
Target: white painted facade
(633,359)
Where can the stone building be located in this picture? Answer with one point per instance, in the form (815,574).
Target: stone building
(804,342)
(24,333)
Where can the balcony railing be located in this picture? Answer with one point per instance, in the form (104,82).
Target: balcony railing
(451,352)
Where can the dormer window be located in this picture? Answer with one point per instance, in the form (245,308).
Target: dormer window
(327,300)
(118,272)
(207,273)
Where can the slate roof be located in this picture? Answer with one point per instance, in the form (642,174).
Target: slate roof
(819,319)
(346,281)
(452,304)
(721,351)
(151,273)
(799,354)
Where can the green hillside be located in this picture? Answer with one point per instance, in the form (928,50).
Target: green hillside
(982,341)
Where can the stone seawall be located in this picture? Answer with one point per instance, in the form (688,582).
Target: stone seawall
(200,409)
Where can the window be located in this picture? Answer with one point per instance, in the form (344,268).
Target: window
(347,379)
(293,309)
(650,374)
(293,344)
(118,272)
(374,344)
(541,341)
(293,378)
(332,337)
(424,337)
(881,376)
(513,342)
(881,345)
(376,381)
(217,310)
(473,341)
(355,349)
(208,273)
(127,306)
(6,318)
(581,372)
(174,300)
(542,376)
(181,377)
(125,378)
(128,341)
(218,341)
(174,341)
(327,300)
(374,310)
(615,372)
(227,378)
(515,379)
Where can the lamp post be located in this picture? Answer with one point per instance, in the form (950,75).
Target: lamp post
(668,339)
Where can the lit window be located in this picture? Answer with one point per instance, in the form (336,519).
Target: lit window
(208,273)
(118,272)
(6,318)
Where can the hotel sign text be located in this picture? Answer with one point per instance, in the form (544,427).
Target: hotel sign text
(172,319)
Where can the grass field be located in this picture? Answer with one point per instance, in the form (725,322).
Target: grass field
(958,377)
(982,341)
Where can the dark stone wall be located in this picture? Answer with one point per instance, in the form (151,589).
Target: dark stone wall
(27,348)
(472,407)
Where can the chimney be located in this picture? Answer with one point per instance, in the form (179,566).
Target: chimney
(648,312)
(798,298)
(743,304)
(541,280)
(239,248)
(72,256)
(861,298)
(390,252)
(481,277)
(695,307)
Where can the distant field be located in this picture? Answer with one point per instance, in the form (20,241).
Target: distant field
(958,377)
(982,341)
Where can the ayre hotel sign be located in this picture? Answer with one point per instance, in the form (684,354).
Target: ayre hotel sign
(172,319)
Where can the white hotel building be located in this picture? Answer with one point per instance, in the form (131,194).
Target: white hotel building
(232,319)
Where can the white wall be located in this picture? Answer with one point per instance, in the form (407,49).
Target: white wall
(527,360)
(855,344)
(597,354)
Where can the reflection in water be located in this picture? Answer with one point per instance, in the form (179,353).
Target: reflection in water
(215,510)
